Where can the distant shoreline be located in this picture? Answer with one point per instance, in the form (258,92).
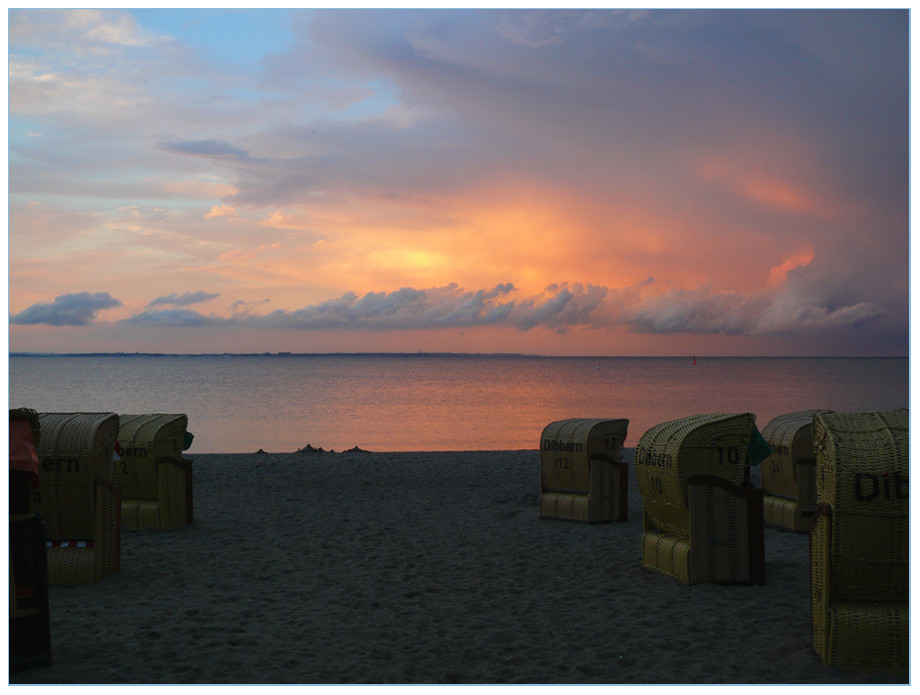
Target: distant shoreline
(474,355)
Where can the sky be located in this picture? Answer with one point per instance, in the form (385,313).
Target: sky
(585,182)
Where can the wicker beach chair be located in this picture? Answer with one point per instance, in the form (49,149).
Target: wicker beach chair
(788,476)
(581,475)
(702,521)
(156,482)
(860,541)
(77,496)
(30,633)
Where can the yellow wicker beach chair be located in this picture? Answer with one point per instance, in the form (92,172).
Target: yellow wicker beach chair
(860,541)
(30,633)
(156,482)
(702,521)
(581,475)
(788,476)
(77,496)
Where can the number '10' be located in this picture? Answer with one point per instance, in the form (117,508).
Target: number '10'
(729,454)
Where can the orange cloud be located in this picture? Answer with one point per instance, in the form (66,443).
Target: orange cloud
(797,260)
(517,232)
(780,194)
(220,211)
(777,191)
(246,256)
(200,189)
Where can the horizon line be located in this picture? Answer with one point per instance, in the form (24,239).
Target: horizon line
(20,353)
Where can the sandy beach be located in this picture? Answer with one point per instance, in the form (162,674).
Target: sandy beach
(418,568)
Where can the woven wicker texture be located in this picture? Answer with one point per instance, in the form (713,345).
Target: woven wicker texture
(152,472)
(783,513)
(863,465)
(666,553)
(725,541)
(872,637)
(860,540)
(717,527)
(75,449)
(699,524)
(789,473)
(77,496)
(671,452)
(582,476)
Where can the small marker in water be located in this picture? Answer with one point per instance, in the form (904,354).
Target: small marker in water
(694,359)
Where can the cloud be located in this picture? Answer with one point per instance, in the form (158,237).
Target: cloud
(406,308)
(698,311)
(699,146)
(702,311)
(241,309)
(173,318)
(184,299)
(77,309)
(89,30)
(215,149)
(561,308)
(220,211)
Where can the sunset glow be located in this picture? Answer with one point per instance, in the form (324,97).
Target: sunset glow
(562,182)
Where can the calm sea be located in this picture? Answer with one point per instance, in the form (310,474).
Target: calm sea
(281,403)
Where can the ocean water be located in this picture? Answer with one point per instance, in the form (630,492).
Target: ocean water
(281,403)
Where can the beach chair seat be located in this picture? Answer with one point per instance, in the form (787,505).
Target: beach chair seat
(788,476)
(582,476)
(77,496)
(860,542)
(29,632)
(702,520)
(155,480)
